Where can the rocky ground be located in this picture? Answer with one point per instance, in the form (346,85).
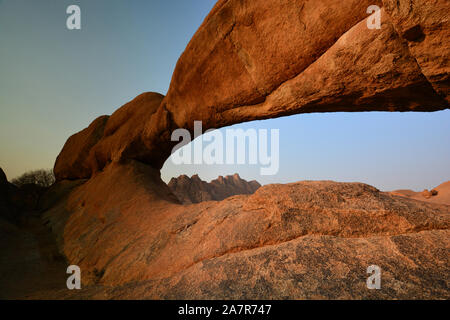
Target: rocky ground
(440,194)
(304,240)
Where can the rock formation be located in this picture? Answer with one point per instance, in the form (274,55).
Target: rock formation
(298,241)
(3,178)
(7,208)
(427,194)
(440,194)
(259,59)
(194,190)
(262,59)
(108,139)
(13,201)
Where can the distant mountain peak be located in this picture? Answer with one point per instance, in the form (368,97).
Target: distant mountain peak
(195,190)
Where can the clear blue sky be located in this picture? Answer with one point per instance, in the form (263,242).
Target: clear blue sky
(54,82)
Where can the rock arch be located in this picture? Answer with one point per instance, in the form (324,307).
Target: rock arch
(262,59)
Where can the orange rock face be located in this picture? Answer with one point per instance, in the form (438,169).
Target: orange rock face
(72,161)
(108,139)
(301,240)
(262,59)
(426,29)
(440,194)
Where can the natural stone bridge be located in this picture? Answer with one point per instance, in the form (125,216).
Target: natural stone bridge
(262,59)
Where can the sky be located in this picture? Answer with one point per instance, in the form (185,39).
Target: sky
(55,81)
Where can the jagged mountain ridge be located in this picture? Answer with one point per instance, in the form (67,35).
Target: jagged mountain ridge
(195,190)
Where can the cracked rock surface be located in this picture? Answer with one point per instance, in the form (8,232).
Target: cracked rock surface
(311,239)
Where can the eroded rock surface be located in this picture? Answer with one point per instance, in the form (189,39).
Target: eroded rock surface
(301,240)
(71,163)
(426,28)
(108,139)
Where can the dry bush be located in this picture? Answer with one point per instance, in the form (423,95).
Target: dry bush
(43,177)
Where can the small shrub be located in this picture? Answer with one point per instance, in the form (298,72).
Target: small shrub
(42,177)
